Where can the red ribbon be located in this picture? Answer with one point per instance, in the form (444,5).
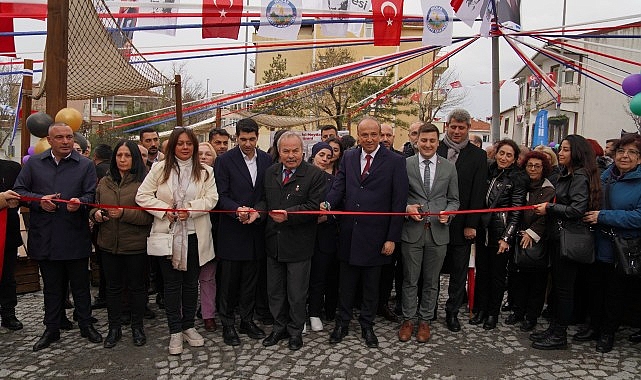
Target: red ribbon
(3,237)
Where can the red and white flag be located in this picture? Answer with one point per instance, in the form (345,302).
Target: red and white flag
(221,18)
(467,10)
(388,22)
(280,19)
(416,97)
(164,18)
(456,84)
(7,43)
(438,23)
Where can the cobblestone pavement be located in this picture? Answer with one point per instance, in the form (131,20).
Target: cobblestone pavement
(503,353)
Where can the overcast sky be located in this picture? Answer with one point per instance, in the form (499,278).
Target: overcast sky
(472,64)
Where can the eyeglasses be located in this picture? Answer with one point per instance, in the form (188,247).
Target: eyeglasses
(629,152)
(534,166)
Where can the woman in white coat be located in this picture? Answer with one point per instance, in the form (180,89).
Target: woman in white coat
(181,183)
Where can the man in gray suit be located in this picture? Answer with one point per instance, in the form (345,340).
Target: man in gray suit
(433,188)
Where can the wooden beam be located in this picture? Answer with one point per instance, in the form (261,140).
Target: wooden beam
(56,56)
(27,92)
(179,101)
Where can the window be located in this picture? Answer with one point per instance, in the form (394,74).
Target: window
(506,125)
(569,77)
(369,30)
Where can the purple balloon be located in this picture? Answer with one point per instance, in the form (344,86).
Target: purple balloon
(551,144)
(26,158)
(31,150)
(632,84)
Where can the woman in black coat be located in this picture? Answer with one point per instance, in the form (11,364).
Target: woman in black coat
(507,187)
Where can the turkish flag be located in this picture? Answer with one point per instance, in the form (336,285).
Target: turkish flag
(416,97)
(456,84)
(7,44)
(388,22)
(221,18)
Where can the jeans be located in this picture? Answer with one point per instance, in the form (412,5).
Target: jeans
(125,272)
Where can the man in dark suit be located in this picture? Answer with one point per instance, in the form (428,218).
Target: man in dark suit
(374,179)
(433,188)
(292,185)
(471,166)
(9,171)
(240,175)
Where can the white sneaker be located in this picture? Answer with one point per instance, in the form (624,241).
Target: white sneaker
(176,344)
(317,324)
(192,337)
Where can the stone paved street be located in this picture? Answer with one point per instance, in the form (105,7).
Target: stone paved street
(504,353)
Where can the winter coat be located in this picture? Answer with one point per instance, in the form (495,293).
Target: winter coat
(572,200)
(539,192)
(506,188)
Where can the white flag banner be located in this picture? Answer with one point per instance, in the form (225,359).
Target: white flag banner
(487,15)
(280,19)
(334,29)
(164,16)
(357,6)
(438,24)
(469,10)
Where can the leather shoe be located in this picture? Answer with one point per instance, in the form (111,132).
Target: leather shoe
(251,330)
(423,334)
(490,323)
(605,343)
(635,337)
(388,314)
(11,322)
(527,325)
(370,338)
(513,319)
(113,336)
(276,337)
(338,334)
(553,341)
(452,322)
(210,324)
(295,342)
(585,335)
(91,333)
(478,318)
(406,330)
(66,324)
(48,337)
(230,337)
(138,335)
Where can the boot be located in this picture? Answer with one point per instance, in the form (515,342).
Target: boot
(479,318)
(540,335)
(113,336)
(557,340)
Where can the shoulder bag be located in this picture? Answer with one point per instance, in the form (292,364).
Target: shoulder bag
(627,253)
(160,243)
(534,257)
(576,241)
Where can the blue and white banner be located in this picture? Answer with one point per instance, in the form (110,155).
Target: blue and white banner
(280,19)
(438,22)
(540,130)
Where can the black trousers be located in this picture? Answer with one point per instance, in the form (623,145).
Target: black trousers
(238,281)
(287,288)
(606,287)
(528,290)
(8,298)
(55,274)
(458,261)
(350,278)
(181,289)
(392,274)
(564,277)
(125,272)
(491,273)
(262,304)
(323,284)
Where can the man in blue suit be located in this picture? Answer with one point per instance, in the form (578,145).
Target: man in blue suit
(373,179)
(240,175)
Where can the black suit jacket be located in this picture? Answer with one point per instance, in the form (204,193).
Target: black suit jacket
(471,167)
(9,171)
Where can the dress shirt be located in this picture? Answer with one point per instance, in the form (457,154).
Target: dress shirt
(421,167)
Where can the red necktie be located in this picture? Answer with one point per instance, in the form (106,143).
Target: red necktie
(365,172)
(288,173)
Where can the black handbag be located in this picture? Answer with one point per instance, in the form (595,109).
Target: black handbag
(628,254)
(576,242)
(534,257)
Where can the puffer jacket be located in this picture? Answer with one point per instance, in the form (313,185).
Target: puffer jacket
(506,188)
(127,234)
(572,200)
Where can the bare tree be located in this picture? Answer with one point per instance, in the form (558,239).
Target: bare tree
(9,85)
(439,97)
(635,118)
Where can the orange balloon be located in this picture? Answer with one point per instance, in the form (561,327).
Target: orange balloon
(41,146)
(70,116)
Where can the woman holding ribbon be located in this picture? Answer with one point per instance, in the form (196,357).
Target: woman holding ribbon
(181,191)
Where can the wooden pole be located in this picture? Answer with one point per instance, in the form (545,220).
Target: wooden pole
(56,56)
(179,101)
(219,118)
(27,92)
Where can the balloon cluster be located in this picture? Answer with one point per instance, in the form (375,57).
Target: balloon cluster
(632,86)
(38,125)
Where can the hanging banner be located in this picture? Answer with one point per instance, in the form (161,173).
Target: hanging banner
(280,19)
(540,131)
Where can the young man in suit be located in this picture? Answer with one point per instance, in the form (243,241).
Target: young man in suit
(240,175)
(433,188)
(373,179)
(471,167)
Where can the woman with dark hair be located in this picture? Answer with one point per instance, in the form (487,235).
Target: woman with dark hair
(620,215)
(187,187)
(121,242)
(273,150)
(577,191)
(530,278)
(507,187)
(337,152)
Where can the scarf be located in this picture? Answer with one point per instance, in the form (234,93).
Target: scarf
(454,148)
(180,182)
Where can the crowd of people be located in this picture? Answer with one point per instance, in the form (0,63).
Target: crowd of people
(257,234)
